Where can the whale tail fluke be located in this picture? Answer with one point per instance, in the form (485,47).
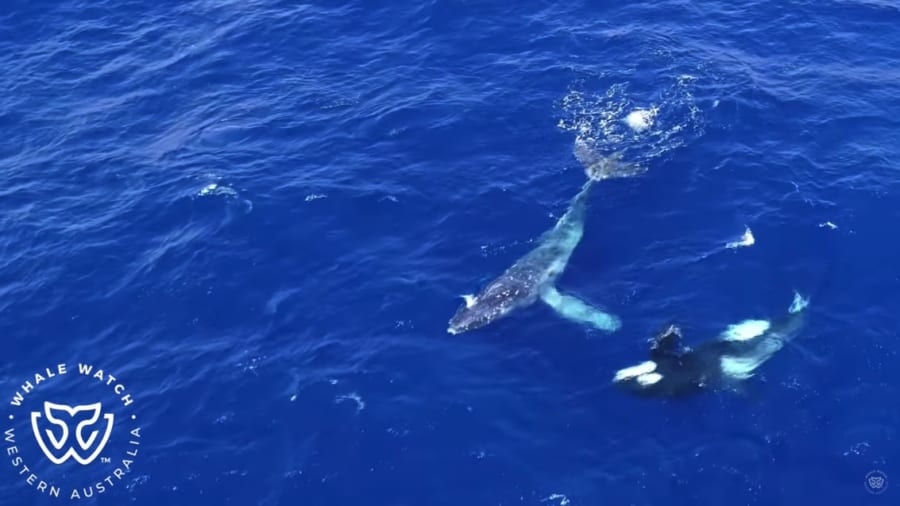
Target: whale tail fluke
(599,167)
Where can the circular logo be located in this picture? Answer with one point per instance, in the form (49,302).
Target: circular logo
(876,482)
(72,432)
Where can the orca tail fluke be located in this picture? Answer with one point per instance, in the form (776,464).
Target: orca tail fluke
(575,309)
(599,167)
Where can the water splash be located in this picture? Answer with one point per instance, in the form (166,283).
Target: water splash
(226,192)
(641,119)
(563,500)
(352,396)
(746,240)
(643,128)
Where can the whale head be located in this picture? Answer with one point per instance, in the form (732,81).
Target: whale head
(474,314)
(498,300)
(672,370)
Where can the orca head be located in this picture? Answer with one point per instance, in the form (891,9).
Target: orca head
(670,371)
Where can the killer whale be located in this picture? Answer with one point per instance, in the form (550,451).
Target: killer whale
(533,276)
(674,370)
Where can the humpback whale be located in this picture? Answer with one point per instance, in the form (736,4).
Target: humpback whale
(532,277)
(674,370)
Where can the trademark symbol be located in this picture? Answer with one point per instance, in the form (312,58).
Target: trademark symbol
(105,460)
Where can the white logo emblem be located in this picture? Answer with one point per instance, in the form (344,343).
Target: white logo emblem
(75,450)
(59,444)
(876,482)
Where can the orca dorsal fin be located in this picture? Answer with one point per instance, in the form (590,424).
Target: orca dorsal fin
(667,343)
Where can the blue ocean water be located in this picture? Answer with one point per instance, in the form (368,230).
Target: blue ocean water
(259,217)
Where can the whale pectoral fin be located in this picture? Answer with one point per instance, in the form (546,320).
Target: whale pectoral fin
(577,310)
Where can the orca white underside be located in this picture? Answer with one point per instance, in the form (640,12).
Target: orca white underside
(746,330)
(635,371)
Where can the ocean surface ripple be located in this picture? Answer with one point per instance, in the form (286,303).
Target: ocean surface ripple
(261,216)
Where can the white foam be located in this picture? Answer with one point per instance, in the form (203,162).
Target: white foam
(745,330)
(314,196)
(641,119)
(828,224)
(217,189)
(353,396)
(798,304)
(206,190)
(600,117)
(228,192)
(563,500)
(635,370)
(746,240)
